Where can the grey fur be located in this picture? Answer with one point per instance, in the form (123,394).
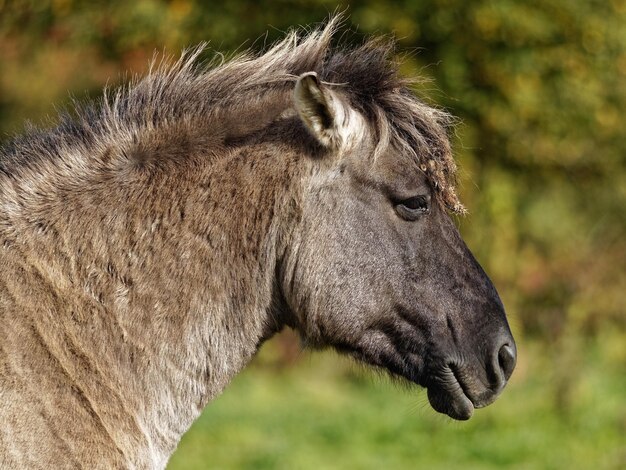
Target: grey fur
(151,243)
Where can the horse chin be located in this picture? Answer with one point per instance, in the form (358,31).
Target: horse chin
(456,405)
(447,395)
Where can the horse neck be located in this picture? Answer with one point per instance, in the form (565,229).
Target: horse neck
(164,282)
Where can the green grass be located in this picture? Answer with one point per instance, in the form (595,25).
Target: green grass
(323,413)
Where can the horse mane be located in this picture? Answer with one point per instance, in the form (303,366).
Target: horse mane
(241,95)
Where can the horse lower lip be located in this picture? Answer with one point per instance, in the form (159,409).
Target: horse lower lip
(462,408)
(453,401)
(457,406)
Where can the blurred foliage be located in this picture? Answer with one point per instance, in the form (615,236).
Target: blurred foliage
(539,85)
(325,415)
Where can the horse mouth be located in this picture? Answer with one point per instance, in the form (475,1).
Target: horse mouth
(447,394)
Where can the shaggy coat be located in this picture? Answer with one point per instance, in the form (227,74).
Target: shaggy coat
(151,242)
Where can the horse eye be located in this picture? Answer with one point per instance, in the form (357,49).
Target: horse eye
(413,207)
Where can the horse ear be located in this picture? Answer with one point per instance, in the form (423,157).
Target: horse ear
(315,108)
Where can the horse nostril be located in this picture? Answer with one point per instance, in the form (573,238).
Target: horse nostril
(506,360)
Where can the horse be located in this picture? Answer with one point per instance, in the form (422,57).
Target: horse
(152,240)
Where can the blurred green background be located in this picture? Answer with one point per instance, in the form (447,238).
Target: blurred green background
(540,88)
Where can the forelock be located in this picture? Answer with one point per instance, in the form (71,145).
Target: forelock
(228,91)
(369,76)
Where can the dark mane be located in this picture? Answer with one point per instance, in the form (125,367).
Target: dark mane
(236,97)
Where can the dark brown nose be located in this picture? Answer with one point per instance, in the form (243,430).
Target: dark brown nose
(503,360)
(506,359)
